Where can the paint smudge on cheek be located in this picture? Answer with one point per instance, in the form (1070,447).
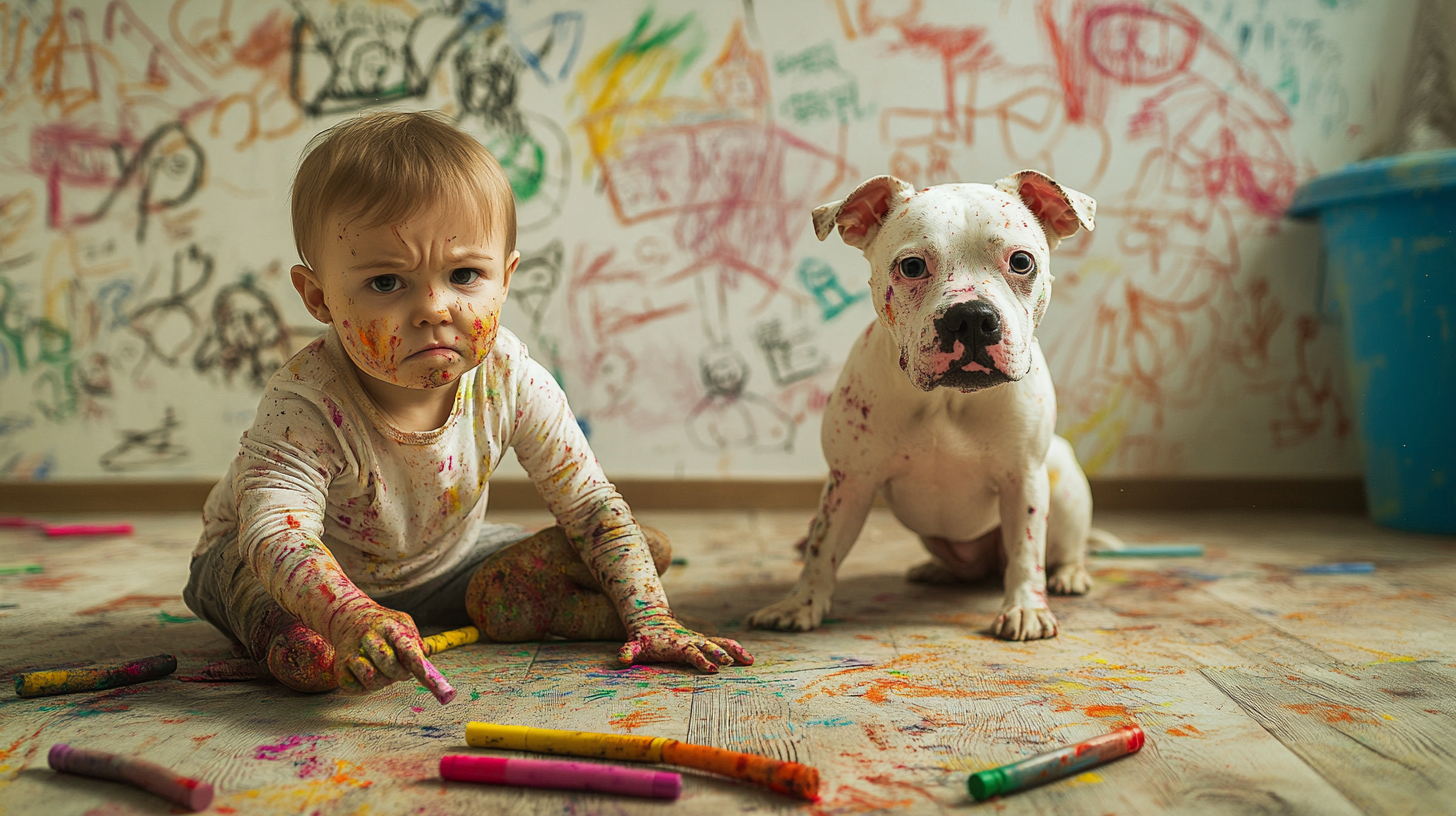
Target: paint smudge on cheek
(375,345)
(482,334)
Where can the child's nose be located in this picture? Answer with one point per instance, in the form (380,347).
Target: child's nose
(433,308)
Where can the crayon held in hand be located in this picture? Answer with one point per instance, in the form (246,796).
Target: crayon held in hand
(1068,761)
(788,778)
(455,638)
(135,771)
(94,678)
(554,773)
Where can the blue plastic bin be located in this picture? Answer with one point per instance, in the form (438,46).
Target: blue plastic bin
(1389,229)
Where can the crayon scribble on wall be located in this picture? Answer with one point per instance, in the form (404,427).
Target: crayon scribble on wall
(665,157)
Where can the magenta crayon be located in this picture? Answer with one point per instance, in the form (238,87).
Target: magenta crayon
(86,529)
(94,678)
(17,521)
(1043,768)
(555,773)
(135,771)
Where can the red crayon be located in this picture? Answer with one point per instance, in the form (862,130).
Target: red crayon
(135,771)
(555,773)
(86,529)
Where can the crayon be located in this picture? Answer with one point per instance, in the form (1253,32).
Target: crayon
(434,644)
(17,569)
(94,678)
(1342,568)
(55,530)
(1043,768)
(189,793)
(1153,551)
(554,773)
(17,521)
(789,778)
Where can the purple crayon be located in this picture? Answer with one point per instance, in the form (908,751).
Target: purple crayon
(135,771)
(1043,768)
(555,773)
(94,678)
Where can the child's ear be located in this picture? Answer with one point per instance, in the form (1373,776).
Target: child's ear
(306,282)
(511,264)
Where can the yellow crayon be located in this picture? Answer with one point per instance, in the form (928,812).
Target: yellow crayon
(434,644)
(784,777)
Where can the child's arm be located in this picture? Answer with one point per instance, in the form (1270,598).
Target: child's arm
(281,495)
(553,450)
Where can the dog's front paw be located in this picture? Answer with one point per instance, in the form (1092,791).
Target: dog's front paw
(1025,623)
(1070,579)
(795,613)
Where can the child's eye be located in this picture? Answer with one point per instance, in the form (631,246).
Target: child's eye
(384,284)
(464,277)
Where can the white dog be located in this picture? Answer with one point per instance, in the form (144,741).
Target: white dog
(946,405)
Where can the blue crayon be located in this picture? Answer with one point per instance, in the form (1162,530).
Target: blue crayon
(1043,768)
(1153,551)
(1342,568)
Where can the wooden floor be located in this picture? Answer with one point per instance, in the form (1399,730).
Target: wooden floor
(1261,689)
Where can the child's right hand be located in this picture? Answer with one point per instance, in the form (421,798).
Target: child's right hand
(378,646)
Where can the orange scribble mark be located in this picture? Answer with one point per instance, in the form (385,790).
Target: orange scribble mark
(129,602)
(1334,713)
(637,719)
(1185,731)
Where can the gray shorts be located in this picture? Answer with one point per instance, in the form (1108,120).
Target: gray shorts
(220,583)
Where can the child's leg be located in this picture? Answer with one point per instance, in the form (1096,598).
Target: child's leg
(540,587)
(224,591)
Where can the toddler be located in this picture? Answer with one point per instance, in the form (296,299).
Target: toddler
(356,505)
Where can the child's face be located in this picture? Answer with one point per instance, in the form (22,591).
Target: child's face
(416,303)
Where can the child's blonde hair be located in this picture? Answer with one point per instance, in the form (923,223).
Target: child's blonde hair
(386,166)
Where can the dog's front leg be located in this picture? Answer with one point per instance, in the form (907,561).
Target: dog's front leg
(842,509)
(1024,506)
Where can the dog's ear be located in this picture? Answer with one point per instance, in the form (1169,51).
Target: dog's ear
(1061,210)
(860,214)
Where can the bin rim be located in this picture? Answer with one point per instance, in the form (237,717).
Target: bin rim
(1424,172)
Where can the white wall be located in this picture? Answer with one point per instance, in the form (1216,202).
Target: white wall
(665,179)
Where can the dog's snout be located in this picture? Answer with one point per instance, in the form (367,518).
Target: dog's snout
(975,323)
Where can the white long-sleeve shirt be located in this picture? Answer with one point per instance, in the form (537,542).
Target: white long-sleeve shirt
(397,508)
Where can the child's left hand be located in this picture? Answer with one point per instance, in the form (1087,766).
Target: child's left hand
(664,640)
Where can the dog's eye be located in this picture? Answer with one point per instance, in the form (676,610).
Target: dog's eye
(913,268)
(1022,263)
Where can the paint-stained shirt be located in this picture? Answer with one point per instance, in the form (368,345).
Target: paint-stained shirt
(397,508)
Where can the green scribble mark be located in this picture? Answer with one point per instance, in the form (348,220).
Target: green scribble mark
(639,42)
(1288,85)
(823,283)
(474,695)
(603,694)
(524,160)
(820,90)
(164,618)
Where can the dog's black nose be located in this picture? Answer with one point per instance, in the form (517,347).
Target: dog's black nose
(974,323)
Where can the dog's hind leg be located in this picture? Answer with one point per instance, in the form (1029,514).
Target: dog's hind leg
(1069,522)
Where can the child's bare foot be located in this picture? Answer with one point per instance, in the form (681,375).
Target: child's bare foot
(540,587)
(301,658)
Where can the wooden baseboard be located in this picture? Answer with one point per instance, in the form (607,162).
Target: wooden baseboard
(1336,494)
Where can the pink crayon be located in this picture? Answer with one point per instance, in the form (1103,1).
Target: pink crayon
(135,771)
(555,773)
(438,685)
(86,529)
